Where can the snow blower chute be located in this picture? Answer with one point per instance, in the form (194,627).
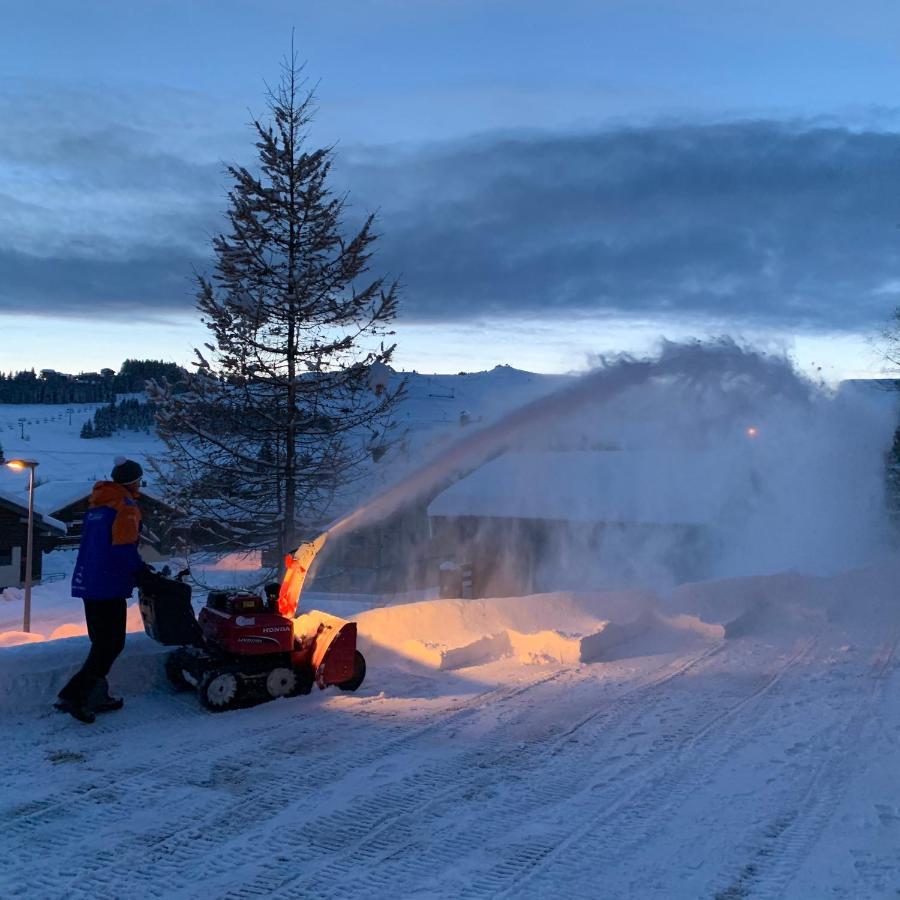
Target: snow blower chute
(246,648)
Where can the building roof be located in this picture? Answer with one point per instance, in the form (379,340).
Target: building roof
(620,486)
(54,496)
(41,519)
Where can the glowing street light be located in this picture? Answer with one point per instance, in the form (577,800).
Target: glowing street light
(31,465)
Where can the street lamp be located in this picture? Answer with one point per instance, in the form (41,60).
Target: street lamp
(31,465)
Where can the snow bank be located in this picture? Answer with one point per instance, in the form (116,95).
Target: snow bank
(52,626)
(32,675)
(15,638)
(565,628)
(572,628)
(788,600)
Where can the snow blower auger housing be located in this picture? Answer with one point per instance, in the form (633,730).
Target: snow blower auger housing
(241,651)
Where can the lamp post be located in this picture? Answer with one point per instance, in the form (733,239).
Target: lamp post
(31,465)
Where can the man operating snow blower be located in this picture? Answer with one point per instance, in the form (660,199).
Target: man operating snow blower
(106,573)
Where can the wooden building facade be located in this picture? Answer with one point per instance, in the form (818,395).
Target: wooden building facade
(68,502)
(48,534)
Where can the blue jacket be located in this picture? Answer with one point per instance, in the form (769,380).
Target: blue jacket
(108,561)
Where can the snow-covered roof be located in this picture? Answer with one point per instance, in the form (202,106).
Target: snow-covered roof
(48,521)
(624,486)
(53,496)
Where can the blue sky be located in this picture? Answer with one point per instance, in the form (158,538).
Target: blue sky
(552,180)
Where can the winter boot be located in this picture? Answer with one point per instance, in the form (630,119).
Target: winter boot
(100,700)
(76,710)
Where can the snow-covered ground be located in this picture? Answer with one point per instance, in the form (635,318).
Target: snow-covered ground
(51,436)
(682,763)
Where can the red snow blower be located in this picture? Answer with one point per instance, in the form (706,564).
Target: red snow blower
(246,648)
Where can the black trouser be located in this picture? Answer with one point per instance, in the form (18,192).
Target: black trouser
(106,629)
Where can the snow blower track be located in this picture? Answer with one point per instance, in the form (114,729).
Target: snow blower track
(724,770)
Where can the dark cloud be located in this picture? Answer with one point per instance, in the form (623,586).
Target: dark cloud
(768,223)
(761,222)
(141,286)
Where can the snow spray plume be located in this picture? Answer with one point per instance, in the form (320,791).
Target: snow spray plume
(730,464)
(756,470)
(474,450)
(693,362)
(738,465)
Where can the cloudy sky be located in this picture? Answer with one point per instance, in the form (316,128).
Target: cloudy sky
(552,180)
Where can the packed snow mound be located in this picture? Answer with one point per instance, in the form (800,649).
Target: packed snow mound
(789,600)
(31,676)
(565,628)
(571,628)
(16,638)
(56,630)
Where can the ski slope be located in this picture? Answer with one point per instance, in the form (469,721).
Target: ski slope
(431,412)
(682,764)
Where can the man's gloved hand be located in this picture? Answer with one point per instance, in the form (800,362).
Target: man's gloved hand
(144,574)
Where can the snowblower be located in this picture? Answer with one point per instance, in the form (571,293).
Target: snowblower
(246,648)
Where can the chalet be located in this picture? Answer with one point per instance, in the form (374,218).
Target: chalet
(540,521)
(67,501)
(48,534)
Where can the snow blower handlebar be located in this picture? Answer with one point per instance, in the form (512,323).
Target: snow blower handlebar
(297,566)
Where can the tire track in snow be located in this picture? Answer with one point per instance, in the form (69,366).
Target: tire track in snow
(157,860)
(112,725)
(192,848)
(633,803)
(623,787)
(502,696)
(383,834)
(512,871)
(787,840)
(344,830)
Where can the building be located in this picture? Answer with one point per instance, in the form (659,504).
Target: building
(48,534)
(67,501)
(393,555)
(540,521)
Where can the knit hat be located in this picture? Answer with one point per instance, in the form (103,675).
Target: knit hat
(126,471)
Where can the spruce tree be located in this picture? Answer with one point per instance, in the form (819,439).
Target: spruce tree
(267,436)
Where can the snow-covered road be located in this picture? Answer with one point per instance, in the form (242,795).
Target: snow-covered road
(760,766)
